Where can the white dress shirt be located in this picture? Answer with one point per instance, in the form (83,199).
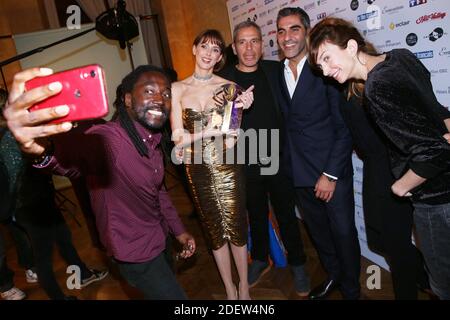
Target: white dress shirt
(289,75)
(291,83)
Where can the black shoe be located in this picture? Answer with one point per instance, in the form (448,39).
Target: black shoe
(323,290)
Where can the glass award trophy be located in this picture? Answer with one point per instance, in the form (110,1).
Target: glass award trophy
(232,116)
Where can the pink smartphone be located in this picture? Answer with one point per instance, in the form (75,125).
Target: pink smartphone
(84,91)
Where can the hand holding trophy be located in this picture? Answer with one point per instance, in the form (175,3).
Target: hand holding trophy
(235,100)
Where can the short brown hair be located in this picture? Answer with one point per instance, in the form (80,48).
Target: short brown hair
(215,37)
(338,32)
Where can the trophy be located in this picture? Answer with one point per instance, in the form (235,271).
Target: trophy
(232,116)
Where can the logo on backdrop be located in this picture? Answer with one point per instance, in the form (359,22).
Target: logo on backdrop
(411,39)
(321,15)
(438,71)
(436,34)
(432,16)
(444,52)
(392,26)
(339,10)
(447,91)
(272,10)
(366,16)
(424,54)
(413,3)
(387,10)
(309,6)
(354,5)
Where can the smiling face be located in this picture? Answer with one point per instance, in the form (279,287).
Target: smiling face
(149,102)
(291,37)
(207,54)
(248,48)
(336,62)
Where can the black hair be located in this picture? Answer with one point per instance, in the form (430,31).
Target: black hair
(125,87)
(295,11)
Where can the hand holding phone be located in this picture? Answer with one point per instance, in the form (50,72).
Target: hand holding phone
(83,91)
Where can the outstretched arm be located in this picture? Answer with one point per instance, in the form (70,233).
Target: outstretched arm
(31,128)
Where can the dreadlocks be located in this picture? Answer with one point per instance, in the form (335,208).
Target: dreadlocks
(126,122)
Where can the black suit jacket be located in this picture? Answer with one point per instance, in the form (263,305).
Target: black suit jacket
(317,139)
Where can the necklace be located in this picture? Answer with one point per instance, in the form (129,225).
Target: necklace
(202,78)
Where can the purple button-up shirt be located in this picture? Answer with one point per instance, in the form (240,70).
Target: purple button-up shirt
(132,208)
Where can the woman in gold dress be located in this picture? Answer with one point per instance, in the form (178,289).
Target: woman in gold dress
(217,186)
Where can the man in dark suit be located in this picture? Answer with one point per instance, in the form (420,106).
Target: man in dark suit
(263,182)
(318,156)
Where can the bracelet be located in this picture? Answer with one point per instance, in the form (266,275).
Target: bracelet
(44,159)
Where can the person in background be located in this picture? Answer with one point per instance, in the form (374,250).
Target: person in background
(7,289)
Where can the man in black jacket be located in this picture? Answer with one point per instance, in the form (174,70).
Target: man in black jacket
(263,176)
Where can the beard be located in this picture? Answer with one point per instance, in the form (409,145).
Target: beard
(151,116)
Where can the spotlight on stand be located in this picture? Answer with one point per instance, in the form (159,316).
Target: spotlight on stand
(118,24)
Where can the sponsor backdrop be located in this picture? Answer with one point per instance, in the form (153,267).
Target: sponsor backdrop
(421,26)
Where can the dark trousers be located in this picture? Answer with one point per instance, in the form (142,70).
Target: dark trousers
(281,193)
(405,260)
(23,245)
(433,232)
(6,275)
(332,229)
(154,278)
(43,238)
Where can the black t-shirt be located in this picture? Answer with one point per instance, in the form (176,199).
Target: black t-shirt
(262,114)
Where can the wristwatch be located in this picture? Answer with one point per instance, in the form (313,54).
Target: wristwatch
(330,178)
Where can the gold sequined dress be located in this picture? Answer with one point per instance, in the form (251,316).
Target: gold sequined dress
(217,187)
